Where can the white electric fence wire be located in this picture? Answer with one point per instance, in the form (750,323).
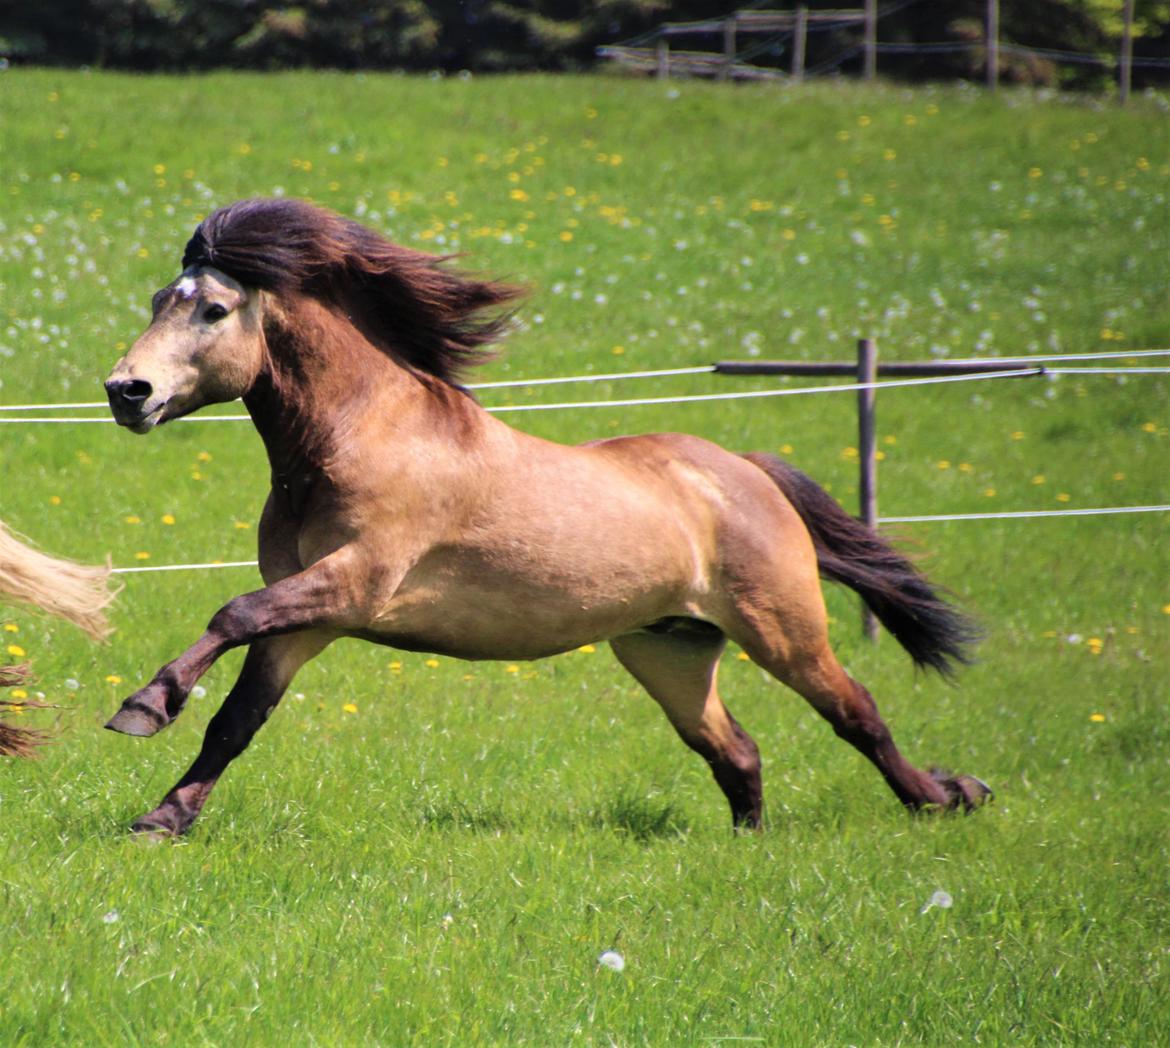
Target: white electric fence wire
(670,372)
(633,402)
(1025,514)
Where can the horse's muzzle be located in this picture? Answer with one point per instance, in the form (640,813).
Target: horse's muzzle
(130,402)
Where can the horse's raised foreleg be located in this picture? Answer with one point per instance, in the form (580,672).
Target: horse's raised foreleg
(316,597)
(269,668)
(678,668)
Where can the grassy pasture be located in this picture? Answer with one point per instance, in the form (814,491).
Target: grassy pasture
(422,851)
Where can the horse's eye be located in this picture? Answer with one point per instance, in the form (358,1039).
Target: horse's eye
(214,312)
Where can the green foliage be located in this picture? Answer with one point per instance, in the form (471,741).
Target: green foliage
(493,35)
(418,851)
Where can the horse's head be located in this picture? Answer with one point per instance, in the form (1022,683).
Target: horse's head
(205,345)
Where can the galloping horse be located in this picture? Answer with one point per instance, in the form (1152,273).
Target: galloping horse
(401,512)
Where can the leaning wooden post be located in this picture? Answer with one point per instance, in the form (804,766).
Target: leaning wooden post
(799,44)
(867,451)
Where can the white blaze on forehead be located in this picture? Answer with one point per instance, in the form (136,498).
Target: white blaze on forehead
(186,287)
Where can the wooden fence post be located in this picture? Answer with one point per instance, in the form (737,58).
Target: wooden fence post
(799,44)
(662,58)
(992,44)
(867,452)
(728,49)
(1126,71)
(870,39)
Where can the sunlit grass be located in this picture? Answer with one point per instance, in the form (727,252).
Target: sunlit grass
(418,850)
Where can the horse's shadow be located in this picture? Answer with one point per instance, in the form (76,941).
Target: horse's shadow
(626,813)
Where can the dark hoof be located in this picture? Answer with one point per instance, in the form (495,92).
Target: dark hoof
(966,792)
(136,719)
(148,829)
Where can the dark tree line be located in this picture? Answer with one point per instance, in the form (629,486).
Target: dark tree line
(491,35)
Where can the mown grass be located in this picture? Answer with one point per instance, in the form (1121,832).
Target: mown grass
(445,864)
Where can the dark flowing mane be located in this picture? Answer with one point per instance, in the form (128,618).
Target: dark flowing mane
(435,319)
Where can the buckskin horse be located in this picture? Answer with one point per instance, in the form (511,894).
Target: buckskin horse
(403,513)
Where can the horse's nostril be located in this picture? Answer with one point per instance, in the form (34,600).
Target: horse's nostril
(129,390)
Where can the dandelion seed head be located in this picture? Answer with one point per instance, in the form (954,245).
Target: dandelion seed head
(613,960)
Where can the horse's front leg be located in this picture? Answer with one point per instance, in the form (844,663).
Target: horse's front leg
(269,668)
(320,596)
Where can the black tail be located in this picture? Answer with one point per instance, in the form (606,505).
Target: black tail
(931,630)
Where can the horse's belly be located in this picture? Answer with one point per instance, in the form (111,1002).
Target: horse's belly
(475,607)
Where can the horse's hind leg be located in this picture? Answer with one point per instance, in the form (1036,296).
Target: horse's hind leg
(269,668)
(678,668)
(851,711)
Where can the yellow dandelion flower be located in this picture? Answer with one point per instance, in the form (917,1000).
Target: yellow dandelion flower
(1097,718)
(432,663)
(132,519)
(943,464)
(1149,427)
(16,651)
(19,694)
(588,649)
(1018,435)
(513,668)
(989,493)
(168,518)
(743,656)
(1039,478)
(142,555)
(1063,496)
(349,707)
(566,236)
(113,678)
(396,667)
(11,627)
(617,351)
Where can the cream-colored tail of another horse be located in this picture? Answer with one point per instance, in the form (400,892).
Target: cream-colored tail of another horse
(75,592)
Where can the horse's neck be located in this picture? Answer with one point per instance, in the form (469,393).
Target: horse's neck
(321,376)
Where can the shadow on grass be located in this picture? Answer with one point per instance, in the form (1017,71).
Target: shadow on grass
(628,814)
(456,815)
(639,817)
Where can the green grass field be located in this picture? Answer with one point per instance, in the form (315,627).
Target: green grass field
(419,851)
